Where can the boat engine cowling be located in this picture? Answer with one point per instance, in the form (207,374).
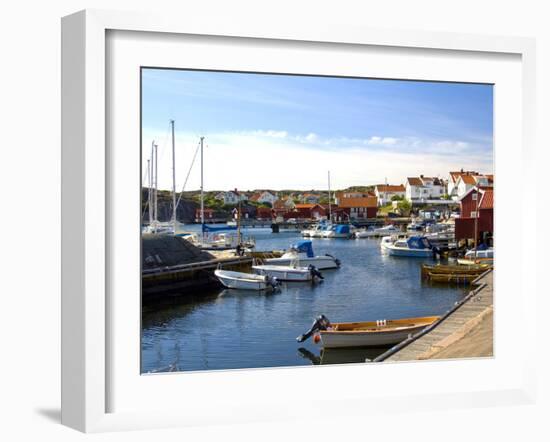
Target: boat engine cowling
(314,271)
(272,282)
(321,323)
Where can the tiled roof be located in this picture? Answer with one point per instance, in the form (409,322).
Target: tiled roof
(390,188)
(306,206)
(414,181)
(468,179)
(368,201)
(487,199)
(456,175)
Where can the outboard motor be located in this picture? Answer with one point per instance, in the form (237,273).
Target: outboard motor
(272,282)
(315,272)
(320,323)
(337,261)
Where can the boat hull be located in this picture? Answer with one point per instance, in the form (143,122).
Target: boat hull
(337,339)
(283,273)
(411,253)
(320,262)
(250,283)
(374,333)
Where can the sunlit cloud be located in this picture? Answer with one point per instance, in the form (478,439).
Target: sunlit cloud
(280,160)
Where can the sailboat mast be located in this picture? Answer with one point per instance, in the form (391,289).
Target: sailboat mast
(149,191)
(173,176)
(329,206)
(475,223)
(202,182)
(156,182)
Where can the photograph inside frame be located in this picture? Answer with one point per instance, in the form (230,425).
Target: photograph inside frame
(295,220)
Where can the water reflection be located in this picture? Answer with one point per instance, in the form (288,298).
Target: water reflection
(328,356)
(225,329)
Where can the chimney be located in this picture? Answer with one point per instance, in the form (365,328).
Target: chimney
(461,170)
(421,176)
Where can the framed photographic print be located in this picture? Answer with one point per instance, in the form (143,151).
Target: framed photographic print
(252,214)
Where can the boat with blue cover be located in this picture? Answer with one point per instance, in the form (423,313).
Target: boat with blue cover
(339,231)
(301,254)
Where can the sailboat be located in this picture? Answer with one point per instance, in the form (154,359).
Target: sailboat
(155,226)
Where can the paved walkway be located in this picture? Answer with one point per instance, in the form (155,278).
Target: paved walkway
(466,333)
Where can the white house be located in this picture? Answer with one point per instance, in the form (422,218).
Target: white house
(385,192)
(424,188)
(264,197)
(467,182)
(231,197)
(453,182)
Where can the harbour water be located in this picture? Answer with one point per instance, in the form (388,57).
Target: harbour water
(229,329)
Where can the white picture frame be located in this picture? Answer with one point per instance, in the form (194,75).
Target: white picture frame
(88,169)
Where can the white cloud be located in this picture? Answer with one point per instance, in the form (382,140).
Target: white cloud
(278,160)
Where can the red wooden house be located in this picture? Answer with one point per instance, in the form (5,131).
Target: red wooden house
(476,203)
(306,211)
(264,213)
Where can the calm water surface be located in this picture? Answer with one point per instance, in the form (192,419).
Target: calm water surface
(230,329)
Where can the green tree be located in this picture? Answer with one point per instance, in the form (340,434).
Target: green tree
(404,207)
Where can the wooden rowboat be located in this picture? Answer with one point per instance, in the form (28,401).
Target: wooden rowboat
(372,333)
(457,278)
(476,269)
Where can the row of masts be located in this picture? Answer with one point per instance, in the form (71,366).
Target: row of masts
(152,172)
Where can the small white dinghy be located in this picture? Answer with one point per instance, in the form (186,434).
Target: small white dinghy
(289,273)
(246,281)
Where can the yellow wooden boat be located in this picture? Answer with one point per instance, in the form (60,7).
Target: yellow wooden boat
(456,278)
(473,262)
(474,269)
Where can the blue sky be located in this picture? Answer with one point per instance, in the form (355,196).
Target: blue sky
(288,131)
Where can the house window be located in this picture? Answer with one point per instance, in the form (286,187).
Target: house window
(474,196)
(473,214)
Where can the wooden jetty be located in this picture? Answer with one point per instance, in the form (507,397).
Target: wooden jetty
(453,327)
(173,267)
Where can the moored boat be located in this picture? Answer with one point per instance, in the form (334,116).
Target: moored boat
(288,273)
(377,232)
(245,281)
(414,246)
(457,278)
(301,254)
(440,269)
(339,231)
(365,334)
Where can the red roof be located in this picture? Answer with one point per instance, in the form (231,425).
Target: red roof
(390,188)
(414,181)
(468,179)
(369,201)
(487,199)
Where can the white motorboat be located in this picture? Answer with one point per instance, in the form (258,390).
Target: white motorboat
(301,254)
(365,334)
(377,232)
(316,231)
(245,281)
(288,273)
(414,246)
(480,254)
